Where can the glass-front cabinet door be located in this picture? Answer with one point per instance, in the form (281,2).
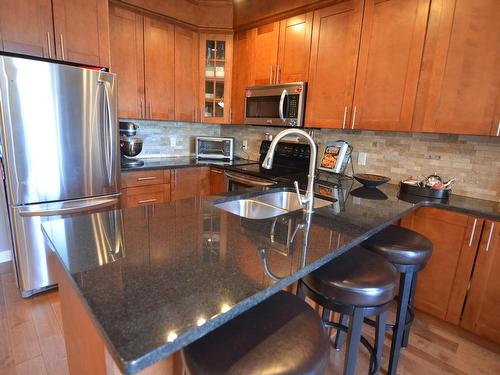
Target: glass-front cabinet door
(216,52)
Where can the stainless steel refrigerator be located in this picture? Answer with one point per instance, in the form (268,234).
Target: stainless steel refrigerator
(60,156)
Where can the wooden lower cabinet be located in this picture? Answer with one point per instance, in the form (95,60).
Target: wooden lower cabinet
(190,182)
(442,284)
(162,185)
(145,187)
(217,181)
(481,313)
(460,283)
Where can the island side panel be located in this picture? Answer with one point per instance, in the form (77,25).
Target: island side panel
(85,348)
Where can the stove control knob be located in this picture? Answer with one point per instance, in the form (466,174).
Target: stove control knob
(293,122)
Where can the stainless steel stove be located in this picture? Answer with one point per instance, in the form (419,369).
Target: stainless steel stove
(291,162)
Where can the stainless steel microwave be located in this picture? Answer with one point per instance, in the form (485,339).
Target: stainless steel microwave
(214,148)
(276,105)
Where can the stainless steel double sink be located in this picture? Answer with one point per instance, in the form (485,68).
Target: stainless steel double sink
(267,205)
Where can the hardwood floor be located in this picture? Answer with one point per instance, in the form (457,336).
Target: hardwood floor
(32,343)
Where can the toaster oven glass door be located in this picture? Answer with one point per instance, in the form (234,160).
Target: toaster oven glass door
(213,148)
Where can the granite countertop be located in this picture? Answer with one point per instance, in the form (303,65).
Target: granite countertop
(185,162)
(154,283)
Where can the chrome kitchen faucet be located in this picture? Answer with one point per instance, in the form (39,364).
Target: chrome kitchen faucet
(308,201)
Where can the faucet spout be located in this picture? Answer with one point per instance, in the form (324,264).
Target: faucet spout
(268,163)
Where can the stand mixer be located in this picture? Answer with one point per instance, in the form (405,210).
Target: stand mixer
(130,145)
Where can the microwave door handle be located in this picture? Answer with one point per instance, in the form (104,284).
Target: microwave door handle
(282,103)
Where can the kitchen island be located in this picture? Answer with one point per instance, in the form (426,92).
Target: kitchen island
(151,280)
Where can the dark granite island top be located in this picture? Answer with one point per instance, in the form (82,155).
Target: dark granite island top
(155,279)
(185,162)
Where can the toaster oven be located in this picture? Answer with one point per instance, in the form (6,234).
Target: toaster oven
(214,148)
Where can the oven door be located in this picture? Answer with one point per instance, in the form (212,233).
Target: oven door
(275,105)
(243,182)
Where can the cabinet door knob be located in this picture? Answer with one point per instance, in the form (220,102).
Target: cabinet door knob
(146,178)
(271,75)
(353,117)
(471,239)
(147,201)
(498,128)
(489,237)
(49,44)
(62,46)
(345,117)
(277,73)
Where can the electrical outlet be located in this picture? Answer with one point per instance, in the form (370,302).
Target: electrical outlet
(362,158)
(244,145)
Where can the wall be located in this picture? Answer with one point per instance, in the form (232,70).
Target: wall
(168,139)
(473,161)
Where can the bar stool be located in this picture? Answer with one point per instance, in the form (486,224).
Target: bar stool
(409,252)
(358,284)
(282,335)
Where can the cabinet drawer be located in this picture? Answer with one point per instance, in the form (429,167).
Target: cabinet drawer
(145,178)
(137,196)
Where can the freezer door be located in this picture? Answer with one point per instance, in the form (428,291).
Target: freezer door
(32,260)
(59,131)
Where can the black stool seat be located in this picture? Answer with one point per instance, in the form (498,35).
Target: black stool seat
(400,245)
(281,335)
(359,277)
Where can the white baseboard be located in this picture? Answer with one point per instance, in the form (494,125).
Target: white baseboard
(5,256)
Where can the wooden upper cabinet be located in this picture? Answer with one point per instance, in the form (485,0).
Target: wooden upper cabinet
(216,56)
(242,73)
(294,48)
(186,74)
(281,50)
(334,56)
(82,31)
(390,56)
(26,27)
(266,44)
(159,68)
(459,90)
(442,284)
(127,60)
(481,313)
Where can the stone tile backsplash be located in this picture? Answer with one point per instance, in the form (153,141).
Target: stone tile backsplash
(167,139)
(474,161)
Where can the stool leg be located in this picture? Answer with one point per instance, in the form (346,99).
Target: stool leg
(300,290)
(379,339)
(397,334)
(406,335)
(340,335)
(353,339)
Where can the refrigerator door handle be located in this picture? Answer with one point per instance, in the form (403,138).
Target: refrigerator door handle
(108,132)
(65,208)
